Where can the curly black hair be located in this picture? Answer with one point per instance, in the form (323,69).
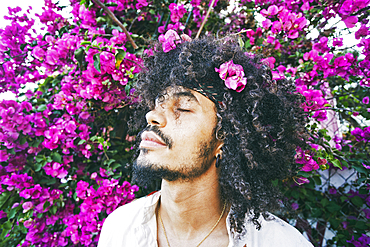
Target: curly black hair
(261,126)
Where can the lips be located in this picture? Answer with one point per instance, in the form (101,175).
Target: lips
(151,140)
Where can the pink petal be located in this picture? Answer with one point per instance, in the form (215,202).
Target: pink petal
(351,21)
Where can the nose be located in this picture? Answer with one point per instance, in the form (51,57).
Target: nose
(156,117)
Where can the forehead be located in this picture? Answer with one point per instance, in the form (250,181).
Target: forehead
(179,92)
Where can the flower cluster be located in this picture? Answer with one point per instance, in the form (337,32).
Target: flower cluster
(287,21)
(233,75)
(177,11)
(361,134)
(305,158)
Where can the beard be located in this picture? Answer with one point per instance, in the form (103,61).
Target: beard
(145,172)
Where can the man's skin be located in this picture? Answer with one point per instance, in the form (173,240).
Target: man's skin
(189,208)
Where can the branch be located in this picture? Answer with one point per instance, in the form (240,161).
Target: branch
(205,19)
(115,19)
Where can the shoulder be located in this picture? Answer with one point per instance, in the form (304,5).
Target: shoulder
(121,222)
(276,232)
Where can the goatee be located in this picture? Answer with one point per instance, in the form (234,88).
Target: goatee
(145,172)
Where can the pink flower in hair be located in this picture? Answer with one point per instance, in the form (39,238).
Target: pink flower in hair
(233,75)
(170,39)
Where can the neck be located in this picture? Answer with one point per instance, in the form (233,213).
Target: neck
(191,208)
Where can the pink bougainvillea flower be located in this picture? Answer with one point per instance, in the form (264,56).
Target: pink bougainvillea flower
(266,24)
(276,27)
(302,180)
(223,70)
(365,82)
(321,161)
(195,3)
(177,11)
(338,42)
(169,40)
(38,52)
(320,115)
(236,83)
(350,21)
(305,6)
(52,57)
(27,206)
(293,34)
(2,214)
(233,75)
(295,206)
(4,155)
(272,10)
(141,3)
(362,32)
(185,37)
(270,61)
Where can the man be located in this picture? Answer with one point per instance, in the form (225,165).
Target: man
(219,132)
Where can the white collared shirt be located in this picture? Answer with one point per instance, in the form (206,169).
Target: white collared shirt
(135,225)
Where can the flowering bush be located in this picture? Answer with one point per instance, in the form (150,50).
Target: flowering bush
(64,148)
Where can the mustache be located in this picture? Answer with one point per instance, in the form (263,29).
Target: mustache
(154,128)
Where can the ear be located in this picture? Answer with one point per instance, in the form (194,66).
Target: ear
(218,150)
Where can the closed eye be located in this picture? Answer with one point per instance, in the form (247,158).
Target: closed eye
(183,110)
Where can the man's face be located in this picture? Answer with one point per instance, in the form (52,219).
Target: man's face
(179,142)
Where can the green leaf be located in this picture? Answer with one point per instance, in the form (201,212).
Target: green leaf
(303,174)
(100,140)
(12,212)
(93,138)
(324,202)
(240,41)
(275,182)
(97,64)
(39,158)
(115,166)
(7,225)
(361,169)
(23,46)
(334,223)
(101,19)
(361,225)
(56,157)
(109,162)
(120,55)
(38,167)
(79,55)
(22,140)
(357,201)
(111,4)
(85,43)
(41,108)
(317,180)
(51,181)
(46,205)
(82,141)
(4,197)
(333,207)
(127,89)
(336,163)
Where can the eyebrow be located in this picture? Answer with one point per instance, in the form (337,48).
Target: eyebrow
(186,94)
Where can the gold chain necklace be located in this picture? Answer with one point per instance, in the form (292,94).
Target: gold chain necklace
(165,234)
